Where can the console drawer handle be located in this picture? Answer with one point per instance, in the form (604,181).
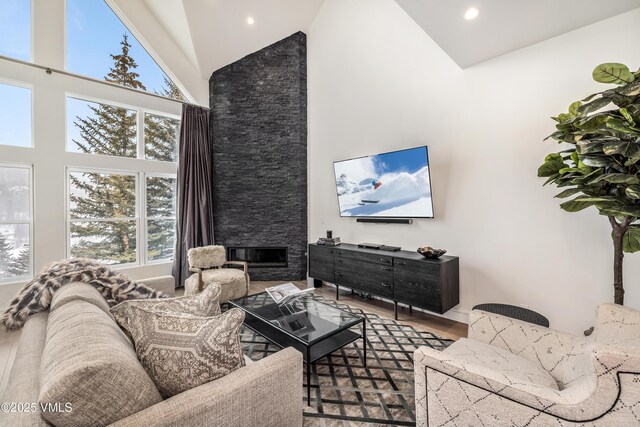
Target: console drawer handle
(330,252)
(384,260)
(387,268)
(339,260)
(386,285)
(339,253)
(339,274)
(401,263)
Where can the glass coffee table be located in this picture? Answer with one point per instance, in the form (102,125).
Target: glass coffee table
(313,327)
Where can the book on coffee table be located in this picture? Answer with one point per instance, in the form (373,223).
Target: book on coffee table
(286,292)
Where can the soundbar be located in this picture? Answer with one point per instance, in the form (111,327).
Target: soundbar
(386,220)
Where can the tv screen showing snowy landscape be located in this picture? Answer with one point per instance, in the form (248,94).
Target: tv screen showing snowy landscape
(395,185)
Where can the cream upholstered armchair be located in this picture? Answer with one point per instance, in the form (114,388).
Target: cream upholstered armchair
(510,373)
(207,263)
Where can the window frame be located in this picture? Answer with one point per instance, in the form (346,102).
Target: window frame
(140,128)
(30,223)
(141,218)
(30,87)
(69,221)
(142,149)
(146,218)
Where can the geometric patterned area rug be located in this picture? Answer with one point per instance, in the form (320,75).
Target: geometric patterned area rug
(343,392)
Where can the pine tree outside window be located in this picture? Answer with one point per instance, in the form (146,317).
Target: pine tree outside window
(15,222)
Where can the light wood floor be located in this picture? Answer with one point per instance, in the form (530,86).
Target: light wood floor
(421,321)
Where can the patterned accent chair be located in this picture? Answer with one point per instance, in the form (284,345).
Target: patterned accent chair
(207,263)
(512,373)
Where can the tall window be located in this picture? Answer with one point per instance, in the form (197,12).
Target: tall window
(15,222)
(101,129)
(15,29)
(15,115)
(104,209)
(161,138)
(161,217)
(103,218)
(96,38)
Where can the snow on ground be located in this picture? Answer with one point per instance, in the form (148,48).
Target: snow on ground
(401,194)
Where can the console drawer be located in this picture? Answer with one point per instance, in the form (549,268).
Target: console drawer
(365,256)
(421,292)
(365,276)
(321,263)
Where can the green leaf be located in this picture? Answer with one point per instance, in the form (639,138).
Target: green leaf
(594,106)
(552,165)
(575,205)
(617,178)
(613,72)
(620,126)
(626,115)
(597,161)
(573,108)
(567,193)
(631,240)
(626,148)
(633,191)
(568,170)
(589,147)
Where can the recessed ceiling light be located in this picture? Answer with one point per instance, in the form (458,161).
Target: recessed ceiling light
(250,20)
(471,13)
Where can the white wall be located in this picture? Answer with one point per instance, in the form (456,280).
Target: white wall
(49,156)
(377,82)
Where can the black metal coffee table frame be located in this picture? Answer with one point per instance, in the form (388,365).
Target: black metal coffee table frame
(311,350)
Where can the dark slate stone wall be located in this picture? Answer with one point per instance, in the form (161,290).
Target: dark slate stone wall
(259,149)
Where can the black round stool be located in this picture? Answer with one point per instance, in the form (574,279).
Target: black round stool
(515,312)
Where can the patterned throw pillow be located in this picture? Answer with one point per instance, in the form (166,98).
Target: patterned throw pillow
(204,304)
(180,352)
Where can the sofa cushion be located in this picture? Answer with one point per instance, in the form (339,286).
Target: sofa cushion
(89,363)
(498,364)
(180,352)
(24,381)
(233,283)
(204,304)
(79,291)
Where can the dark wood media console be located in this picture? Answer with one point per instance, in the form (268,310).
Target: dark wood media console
(402,276)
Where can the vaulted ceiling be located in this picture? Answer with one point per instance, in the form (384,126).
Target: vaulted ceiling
(503,26)
(213,33)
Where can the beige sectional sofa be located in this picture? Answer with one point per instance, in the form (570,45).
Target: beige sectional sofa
(79,331)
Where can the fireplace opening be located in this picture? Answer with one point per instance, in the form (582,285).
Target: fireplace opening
(259,257)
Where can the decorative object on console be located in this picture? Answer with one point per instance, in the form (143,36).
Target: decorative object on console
(429,252)
(602,163)
(516,373)
(36,295)
(182,351)
(329,241)
(207,263)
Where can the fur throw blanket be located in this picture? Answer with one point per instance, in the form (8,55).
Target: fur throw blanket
(36,295)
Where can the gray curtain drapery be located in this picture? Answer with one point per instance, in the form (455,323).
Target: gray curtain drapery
(194,225)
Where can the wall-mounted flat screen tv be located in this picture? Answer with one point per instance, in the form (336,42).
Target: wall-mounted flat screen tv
(387,185)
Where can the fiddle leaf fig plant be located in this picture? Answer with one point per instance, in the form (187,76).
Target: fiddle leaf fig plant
(600,164)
